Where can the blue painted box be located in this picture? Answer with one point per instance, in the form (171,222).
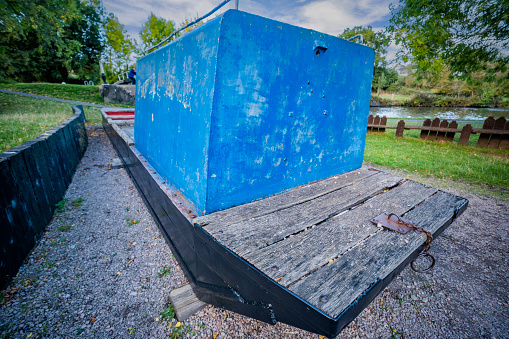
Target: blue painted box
(244,107)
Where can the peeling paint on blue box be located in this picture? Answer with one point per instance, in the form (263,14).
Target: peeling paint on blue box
(244,107)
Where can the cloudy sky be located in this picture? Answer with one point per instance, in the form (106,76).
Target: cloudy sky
(327,16)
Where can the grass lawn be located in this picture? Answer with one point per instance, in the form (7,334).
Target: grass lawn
(70,92)
(439,159)
(397,97)
(24,118)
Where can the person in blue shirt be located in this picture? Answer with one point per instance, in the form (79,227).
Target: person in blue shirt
(131,75)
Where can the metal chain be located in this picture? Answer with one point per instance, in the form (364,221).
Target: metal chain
(429,239)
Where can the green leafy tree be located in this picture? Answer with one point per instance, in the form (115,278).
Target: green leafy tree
(190,28)
(43,39)
(32,43)
(464,36)
(119,48)
(153,31)
(384,78)
(379,41)
(86,30)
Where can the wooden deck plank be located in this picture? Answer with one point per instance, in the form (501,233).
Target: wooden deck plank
(265,230)
(185,302)
(282,200)
(295,257)
(344,280)
(129,131)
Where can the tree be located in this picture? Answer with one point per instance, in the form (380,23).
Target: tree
(32,45)
(44,39)
(119,48)
(86,29)
(464,36)
(383,78)
(379,41)
(153,31)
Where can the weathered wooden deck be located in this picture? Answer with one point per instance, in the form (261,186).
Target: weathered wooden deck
(129,131)
(308,257)
(317,240)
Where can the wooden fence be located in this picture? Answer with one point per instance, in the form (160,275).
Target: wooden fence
(493,134)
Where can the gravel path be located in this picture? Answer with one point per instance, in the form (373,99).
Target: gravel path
(103,270)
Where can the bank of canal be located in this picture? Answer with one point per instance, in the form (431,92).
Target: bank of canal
(450,113)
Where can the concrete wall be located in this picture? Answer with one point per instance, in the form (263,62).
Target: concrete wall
(117,94)
(34,177)
(244,107)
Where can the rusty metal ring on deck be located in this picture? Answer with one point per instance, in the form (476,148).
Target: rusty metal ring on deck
(397,216)
(423,254)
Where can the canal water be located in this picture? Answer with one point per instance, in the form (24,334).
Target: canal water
(450,113)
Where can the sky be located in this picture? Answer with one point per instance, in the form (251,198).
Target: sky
(327,16)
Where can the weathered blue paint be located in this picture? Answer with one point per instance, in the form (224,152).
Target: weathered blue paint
(245,107)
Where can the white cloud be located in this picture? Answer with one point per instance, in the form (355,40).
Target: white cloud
(133,14)
(332,17)
(328,16)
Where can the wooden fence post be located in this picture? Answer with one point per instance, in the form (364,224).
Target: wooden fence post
(441,135)
(465,135)
(450,135)
(504,139)
(484,138)
(376,122)
(383,122)
(495,138)
(432,136)
(424,132)
(400,129)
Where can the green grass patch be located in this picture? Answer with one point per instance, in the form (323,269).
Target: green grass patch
(439,159)
(395,96)
(24,118)
(71,92)
(61,205)
(82,93)
(168,313)
(78,202)
(64,228)
(165,271)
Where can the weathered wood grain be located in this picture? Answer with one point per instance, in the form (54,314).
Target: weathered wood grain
(282,200)
(484,138)
(450,135)
(432,136)
(441,135)
(376,121)
(295,257)
(370,121)
(504,138)
(383,122)
(495,139)
(185,303)
(400,129)
(129,131)
(424,132)
(265,230)
(346,278)
(465,134)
